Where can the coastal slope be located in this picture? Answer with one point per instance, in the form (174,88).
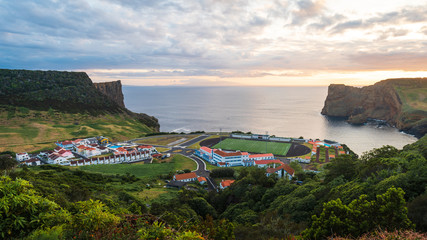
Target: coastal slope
(40,107)
(400,102)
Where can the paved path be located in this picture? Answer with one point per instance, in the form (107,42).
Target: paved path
(201,165)
(193,141)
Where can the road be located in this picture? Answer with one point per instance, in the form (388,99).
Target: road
(201,165)
(181,149)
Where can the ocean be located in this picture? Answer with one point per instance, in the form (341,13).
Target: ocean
(280,111)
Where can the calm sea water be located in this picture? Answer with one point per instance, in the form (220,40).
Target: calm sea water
(280,111)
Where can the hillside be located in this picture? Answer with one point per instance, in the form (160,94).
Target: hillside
(39,107)
(400,102)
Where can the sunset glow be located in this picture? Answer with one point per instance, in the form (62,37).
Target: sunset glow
(219,43)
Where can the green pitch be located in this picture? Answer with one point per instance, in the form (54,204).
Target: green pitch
(254,146)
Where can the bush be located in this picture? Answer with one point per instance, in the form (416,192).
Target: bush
(222,172)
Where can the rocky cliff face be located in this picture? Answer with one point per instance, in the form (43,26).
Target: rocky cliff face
(113,90)
(383,101)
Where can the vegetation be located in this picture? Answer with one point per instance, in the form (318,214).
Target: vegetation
(380,195)
(145,171)
(40,129)
(254,146)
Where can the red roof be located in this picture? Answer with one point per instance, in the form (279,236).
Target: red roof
(221,163)
(67,142)
(201,179)
(206,149)
(226,183)
(286,167)
(261,155)
(82,147)
(91,149)
(226,154)
(62,151)
(145,146)
(58,148)
(24,153)
(262,162)
(32,160)
(185,176)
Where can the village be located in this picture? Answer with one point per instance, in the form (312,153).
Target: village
(90,151)
(100,150)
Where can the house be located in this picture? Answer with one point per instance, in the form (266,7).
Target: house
(89,141)
(148,148)
(185,177)
(225,184)
(201,180)
(264,163)
(32,162)
(91,151)
(55,158)
(68,145)
(22,156)
(103,140)
(282,171)
(120,151)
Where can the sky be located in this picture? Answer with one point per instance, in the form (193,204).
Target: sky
(218,42)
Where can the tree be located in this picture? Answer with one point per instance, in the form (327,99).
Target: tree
(388,211)
(23,211)
(7,162)
(344,165)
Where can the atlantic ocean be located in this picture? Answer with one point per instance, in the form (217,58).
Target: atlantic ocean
(280,111)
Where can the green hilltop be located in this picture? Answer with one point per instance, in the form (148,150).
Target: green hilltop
(39,107)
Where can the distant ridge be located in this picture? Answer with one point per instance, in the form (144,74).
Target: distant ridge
(401,102)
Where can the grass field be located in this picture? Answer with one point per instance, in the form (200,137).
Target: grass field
(254,146)
(32,130)
(144,171)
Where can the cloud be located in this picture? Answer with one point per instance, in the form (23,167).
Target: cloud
(195,39)
(407,15)
(307,9)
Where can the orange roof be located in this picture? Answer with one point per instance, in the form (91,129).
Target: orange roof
(201,179)
(261,155)
(331,156)
(340,147)
(206,149)
(185,176)
(221,163)
(226,183)
(82,147)
(341,152)
(226,154)
(286,167)
(307,157)
(261,162)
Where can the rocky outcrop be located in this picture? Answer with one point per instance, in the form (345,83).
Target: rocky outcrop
(384,100)
(113,90)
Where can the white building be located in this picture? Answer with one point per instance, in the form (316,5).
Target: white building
(22,156)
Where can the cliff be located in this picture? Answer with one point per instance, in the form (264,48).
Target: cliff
(69,92)
(113,90)
(400,102)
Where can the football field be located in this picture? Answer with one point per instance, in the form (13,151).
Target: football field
(276,148)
